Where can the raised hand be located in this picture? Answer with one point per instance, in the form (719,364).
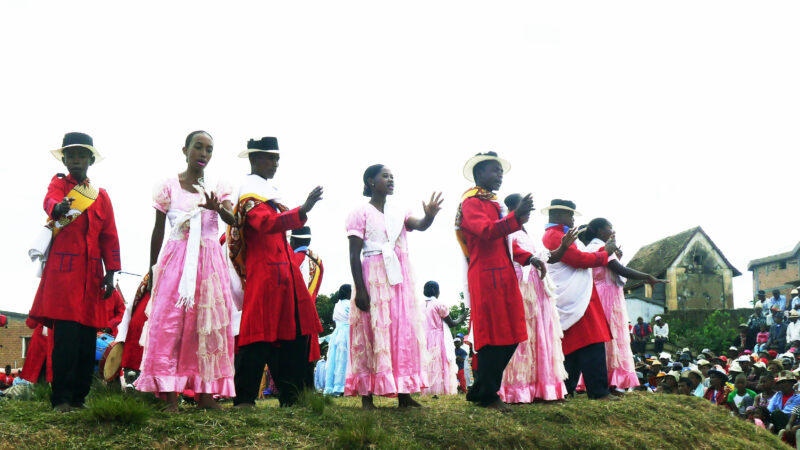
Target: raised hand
(212,202)
(651,280)
(63,207)
(570,237)
(523,210)
(313,197)
(433,206)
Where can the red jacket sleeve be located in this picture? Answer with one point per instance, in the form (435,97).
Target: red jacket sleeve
(475,220)
(520,256)
(574,257)
(109,241)
(266,220)
(55,193)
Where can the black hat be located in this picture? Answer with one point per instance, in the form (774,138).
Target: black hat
(302,233)
(265,144)
(567,205)
(76,139)
(761,293)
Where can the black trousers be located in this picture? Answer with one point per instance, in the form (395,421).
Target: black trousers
(659,345)
(779,419)
(639,347)
(288,364)
(492,361)
(591,362)
(73,362)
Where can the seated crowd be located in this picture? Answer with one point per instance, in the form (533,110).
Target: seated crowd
(757,378)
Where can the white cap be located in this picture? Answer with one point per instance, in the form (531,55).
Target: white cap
(743,358)
(664,355)
(657,318)
(733,349)
(706,350)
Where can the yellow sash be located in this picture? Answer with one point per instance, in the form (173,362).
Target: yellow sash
(84,195)
(314,271)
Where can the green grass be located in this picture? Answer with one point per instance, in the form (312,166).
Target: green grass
(136,421)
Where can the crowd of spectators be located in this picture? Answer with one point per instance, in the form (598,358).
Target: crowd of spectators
(757,378)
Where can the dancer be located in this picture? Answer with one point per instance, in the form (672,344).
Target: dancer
(82,238)
(188,337)
(133,325)
(387,339)
(339,344)
(608,282)
(442,368)
(536,371)
(498,315)
(278,316)
(116,311)
(580,310)
(39,358)
(310,265)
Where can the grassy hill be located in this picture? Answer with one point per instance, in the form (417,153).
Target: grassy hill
(640,421)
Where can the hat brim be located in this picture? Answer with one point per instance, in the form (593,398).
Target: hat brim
(59,152)
(546,209)
(244,153)
(301,236)
(472,162)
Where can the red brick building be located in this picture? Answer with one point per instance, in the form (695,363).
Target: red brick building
(15,338)
(781,271)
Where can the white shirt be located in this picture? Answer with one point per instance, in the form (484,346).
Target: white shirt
(662,331)
(793,332)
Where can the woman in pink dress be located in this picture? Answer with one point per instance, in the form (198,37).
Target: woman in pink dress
(442,369)
(387,335)
(536,371)
(609,282)
(188,339)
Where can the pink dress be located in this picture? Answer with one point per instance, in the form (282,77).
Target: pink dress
(441,369)
(619,358)
(188,347)
(387,344)
(536,371)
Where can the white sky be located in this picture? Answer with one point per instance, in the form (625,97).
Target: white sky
(656,115)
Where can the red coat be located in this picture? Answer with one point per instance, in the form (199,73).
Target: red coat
(132,352)
(498,315)
(593,326)
(71,285)
(274,289)
(116,309)
(314,353)
(39,353)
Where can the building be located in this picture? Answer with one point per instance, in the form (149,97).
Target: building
(700,277)
(781,271)
(15,338)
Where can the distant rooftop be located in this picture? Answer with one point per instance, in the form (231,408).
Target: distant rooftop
(774,258)
(657,257)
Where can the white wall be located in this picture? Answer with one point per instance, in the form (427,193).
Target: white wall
(641,308)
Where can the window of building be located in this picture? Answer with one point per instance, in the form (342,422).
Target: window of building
(698,260)
(26,342)
(782,266)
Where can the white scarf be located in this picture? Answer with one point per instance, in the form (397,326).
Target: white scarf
(188,283)
(394,221)
(573,290)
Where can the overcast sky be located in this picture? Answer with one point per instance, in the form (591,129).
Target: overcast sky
(659,116)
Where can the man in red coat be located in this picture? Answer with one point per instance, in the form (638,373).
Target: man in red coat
(116,310)
(311,269)
(70,298)
(580,310)
(498,314)
(278,316)
(39,355)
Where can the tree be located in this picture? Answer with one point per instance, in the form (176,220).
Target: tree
(455,312)
(325,304)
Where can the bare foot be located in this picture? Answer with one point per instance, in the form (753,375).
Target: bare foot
(366,403)
(245,405)
(405,401)
(171,408)
(609,398)
(206,401)
(498,405)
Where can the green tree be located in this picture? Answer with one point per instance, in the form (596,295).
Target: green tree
(455,312)
(716,332)
(325,304)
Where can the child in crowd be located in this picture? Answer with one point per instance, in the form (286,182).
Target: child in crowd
(741,397)
(761,338)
